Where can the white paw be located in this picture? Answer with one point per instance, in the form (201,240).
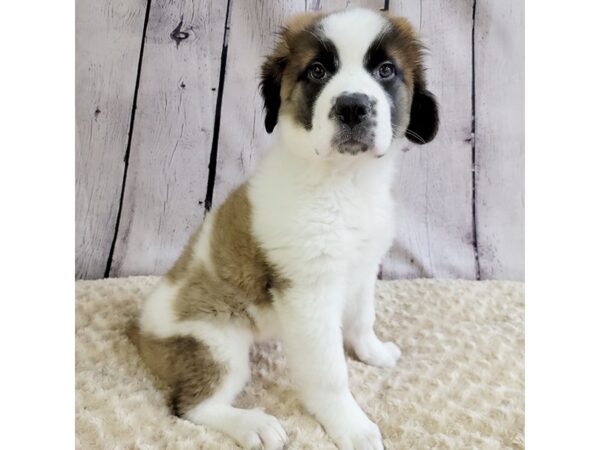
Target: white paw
(256,430)
(376,353)
(358,435)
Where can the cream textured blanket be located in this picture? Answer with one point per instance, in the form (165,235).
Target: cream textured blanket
(458,385)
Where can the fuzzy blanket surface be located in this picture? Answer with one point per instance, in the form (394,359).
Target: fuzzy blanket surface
(458,385)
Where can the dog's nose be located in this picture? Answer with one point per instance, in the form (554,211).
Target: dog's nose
(352,109)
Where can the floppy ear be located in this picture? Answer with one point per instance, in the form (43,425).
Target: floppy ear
(270,87)
(423,125)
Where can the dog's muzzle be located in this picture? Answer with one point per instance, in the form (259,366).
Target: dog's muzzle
(354,114)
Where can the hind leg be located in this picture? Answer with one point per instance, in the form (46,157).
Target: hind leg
(228,348)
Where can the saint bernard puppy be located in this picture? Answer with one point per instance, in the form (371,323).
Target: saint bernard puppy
(294,252)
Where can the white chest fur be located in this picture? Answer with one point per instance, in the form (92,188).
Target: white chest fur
(313,216)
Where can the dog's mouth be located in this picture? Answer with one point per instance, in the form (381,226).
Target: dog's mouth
(352,147)
(354,141)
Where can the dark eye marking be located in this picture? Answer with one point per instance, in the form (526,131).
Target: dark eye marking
(385,71)
(313,77)
(317,72)
(379,62)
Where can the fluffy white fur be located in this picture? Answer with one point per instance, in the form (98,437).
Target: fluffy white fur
(330,235)
(332,227)
(325,219)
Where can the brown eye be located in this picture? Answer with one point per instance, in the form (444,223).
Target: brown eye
(386,70)
(317,72)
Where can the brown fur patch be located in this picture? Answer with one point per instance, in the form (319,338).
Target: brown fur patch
(184,262)
(295,47)
(241,273)
(290,43)
(406,48)
(300,47)
(183,363)
(404,45)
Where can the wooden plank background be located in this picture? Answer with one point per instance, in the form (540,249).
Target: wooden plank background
(500,121)
(169,121)
(108,43)
(434,182)
(170,150)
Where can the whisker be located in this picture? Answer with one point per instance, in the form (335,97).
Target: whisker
(380,37)
(416,136)
(317,37)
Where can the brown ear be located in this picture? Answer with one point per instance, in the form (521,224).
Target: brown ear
(274,66)
(424,119)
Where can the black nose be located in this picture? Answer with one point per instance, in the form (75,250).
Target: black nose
(352,109)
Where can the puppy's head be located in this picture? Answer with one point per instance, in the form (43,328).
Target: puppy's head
(347,83)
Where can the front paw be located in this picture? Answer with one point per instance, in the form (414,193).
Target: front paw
(376,353)
(357,434)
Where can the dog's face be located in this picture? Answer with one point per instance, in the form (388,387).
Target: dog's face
(347,83)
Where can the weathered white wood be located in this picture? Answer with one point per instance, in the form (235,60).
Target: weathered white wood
(434,182)
(108,38)
(172,135)
(333,5)
(499,137)
(243,138)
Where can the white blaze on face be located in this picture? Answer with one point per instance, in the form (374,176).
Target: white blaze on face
(352,32)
